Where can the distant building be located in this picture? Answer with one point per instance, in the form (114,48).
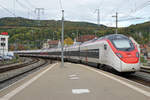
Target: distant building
(57,43)
(4,43)
(84,38)
(53,43)
(76,43)
(45,45)
(50,44)
(145,50)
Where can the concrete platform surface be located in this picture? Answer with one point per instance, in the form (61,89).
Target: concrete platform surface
(146,67)
(76,82)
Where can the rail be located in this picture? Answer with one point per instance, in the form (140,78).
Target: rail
(9,72)
(146,70)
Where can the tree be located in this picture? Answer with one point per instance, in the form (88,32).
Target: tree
(11,48)
(68,41)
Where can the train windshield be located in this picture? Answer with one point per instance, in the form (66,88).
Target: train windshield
(123,44)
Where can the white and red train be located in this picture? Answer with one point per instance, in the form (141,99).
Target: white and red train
(115,51)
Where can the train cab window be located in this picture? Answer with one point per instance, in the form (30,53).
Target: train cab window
(123,44)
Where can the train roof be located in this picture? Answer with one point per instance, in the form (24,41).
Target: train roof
(110,37)
(114,36)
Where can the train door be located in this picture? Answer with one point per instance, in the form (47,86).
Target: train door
(79,57)
(105,53)
(101,53)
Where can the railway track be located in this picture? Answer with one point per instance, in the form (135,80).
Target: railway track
(17,66)
(11,74)
(146,70)
(141,77)
(22,59)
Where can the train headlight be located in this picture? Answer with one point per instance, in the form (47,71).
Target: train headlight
(119,55)
(137,54)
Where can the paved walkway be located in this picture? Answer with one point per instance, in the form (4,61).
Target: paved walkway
(77,82)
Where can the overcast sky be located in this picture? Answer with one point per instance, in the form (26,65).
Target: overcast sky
(129,11)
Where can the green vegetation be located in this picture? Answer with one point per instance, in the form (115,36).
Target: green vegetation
(16,59)
(140,32)
(30,34)
(143,60)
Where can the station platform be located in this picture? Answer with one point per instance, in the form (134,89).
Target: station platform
(74,82)
(145,67)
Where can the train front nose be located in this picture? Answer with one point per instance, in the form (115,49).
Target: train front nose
(130,61)
(130,67)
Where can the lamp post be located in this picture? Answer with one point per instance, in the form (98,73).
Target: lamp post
(116,16)
(62,41)
(3,51)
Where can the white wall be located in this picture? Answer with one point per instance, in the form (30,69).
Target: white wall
(5,48)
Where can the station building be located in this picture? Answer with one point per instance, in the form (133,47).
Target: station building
(4,43)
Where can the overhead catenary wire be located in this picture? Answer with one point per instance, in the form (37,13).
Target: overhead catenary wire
(12,13)
(101,4)
(22,4)
(124,18)
(130,15)
(30,11)
(114,10)
(31,4)
(140,7)
(127,19)
(60,3)
(27,4)
(145,4)
(14,5)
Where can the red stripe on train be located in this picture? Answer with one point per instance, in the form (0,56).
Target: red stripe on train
(127,56)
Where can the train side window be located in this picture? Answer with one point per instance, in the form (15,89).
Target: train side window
(105,46)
